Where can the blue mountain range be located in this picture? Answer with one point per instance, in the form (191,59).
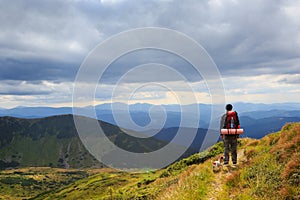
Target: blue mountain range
(256,119)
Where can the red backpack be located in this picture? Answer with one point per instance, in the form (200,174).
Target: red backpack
(231,121)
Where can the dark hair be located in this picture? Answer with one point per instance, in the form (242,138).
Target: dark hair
(229,107)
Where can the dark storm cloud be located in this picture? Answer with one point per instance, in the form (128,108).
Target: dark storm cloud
(138,66)
(36,70)
(42,40)
(24,93)
(239,34)
(47,40)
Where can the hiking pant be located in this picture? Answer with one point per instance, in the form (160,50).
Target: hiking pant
(230,143)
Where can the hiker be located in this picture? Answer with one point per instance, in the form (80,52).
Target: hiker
(230,120)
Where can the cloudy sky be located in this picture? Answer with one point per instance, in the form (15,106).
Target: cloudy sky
(255,45)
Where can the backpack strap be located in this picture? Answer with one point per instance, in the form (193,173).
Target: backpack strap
(225,121)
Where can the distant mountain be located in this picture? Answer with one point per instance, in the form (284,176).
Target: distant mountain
(138,112)
(253,128)
(258,128)
(271,113)
(35,112)
(248,107)
(142,121)
(148,117)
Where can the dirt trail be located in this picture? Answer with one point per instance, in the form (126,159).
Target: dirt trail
(219,177)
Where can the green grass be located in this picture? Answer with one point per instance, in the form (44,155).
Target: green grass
(198,158)
(272,170)
(46,151)
(269,169)
(192,184)
(29,182)
(106,185)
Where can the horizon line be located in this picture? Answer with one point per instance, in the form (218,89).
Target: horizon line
(238,102)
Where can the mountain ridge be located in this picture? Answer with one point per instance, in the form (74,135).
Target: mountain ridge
(44,111)
(141,118)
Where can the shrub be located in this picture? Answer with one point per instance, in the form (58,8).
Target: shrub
(250,153)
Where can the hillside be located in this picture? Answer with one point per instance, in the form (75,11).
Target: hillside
(268,169)
(54,142)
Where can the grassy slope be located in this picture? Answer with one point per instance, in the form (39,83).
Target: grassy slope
(45,152)
(28,182)
(42,142)
(268,169)
(54,142)
(271,169)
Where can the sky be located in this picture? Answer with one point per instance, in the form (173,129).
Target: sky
(254,44)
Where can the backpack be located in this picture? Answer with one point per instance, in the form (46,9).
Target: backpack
(231,121)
